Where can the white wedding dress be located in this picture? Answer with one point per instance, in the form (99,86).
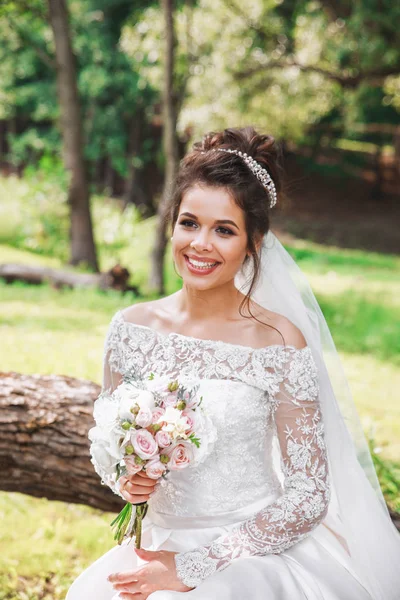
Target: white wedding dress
(249,523)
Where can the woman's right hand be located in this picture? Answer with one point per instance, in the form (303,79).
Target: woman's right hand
(137,488)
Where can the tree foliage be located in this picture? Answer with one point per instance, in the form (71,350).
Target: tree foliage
(110,84)
(288,67)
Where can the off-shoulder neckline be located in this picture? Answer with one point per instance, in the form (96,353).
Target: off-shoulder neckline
(172,334)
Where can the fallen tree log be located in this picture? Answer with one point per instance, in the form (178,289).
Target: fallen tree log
(116,278)
(44,448)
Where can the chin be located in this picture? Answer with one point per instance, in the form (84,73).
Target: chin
(194,283)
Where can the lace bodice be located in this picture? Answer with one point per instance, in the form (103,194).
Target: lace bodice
(259,399)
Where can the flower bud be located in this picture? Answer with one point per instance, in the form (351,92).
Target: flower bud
(173,385)
(139,461)
(164,459)
(126,425)
(129,449)
(135,409)
(181,405)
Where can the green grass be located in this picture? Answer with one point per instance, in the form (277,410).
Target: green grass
(43,544)
(46,544)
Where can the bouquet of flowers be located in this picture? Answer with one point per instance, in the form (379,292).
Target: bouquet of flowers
(156,425)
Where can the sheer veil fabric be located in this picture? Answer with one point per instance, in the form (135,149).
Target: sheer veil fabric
(357,510)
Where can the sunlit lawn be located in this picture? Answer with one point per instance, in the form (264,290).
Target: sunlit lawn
(44,545)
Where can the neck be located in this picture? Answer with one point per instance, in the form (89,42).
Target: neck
(220,303)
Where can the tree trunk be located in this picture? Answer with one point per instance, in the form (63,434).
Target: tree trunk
(81,230)
(396,144)
(134,193)
(117,278)
(44,446)
(170,144)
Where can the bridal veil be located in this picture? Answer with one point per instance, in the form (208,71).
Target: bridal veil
(357,510)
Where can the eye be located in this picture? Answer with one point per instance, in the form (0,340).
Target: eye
(226,231)
(187,222)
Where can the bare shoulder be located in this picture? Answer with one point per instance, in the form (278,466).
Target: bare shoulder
(146,313)
(280,330)
(291,333)
(139,313)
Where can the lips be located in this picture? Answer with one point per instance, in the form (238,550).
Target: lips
(201,258)
(200,270)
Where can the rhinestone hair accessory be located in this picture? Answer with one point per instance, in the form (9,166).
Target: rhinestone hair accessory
(260,172)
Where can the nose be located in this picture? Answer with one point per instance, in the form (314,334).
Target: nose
(201,242)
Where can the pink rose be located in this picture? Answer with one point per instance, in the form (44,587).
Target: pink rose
(131,466)
(144,443)
(163,439)
(191,419)
(155,468)
(157,413)
(180,455)
(144,417)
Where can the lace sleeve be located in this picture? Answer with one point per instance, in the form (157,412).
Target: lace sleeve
(305,498)
(111,378)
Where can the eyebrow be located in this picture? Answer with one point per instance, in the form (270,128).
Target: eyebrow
(188,214)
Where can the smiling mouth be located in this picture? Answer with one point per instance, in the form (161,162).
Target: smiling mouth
(201,265)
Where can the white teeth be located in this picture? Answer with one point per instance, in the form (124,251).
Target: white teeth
(200,265)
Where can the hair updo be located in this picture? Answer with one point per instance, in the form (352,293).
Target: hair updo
(229,171)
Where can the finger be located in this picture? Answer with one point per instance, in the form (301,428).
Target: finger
(138,478)
(123,577)
(133,499)
(137,489)
(142,474)
(122,480)
(131,588)
(148,555)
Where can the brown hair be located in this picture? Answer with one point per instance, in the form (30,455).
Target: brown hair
(229,171)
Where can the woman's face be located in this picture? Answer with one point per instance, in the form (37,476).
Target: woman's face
(209,238)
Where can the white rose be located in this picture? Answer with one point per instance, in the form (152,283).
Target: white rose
(145,399)
(128,390)
(171,415)
(105,411)
(102,458)
(159,383)
(176,423)
(130,396)
(126,403)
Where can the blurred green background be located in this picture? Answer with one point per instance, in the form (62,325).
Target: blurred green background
(323,78)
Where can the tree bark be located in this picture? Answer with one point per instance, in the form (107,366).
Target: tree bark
(44,445)
(170,144)
(116,278)
(81,229)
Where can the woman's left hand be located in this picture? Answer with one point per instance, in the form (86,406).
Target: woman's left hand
(159,573)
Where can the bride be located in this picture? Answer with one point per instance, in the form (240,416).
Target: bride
(287,504)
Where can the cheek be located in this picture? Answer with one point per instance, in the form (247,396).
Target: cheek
(234,252)
(180,244)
